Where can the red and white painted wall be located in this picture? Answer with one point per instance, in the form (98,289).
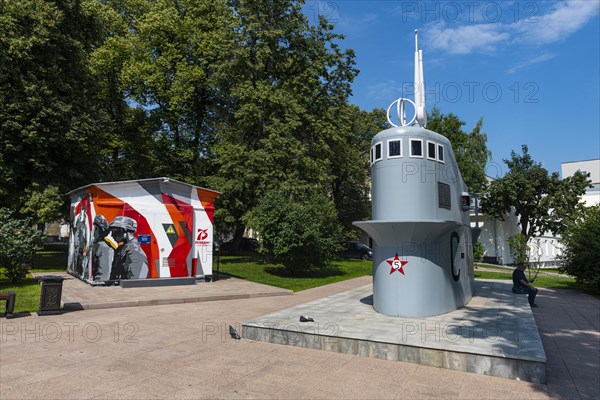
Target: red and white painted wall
(173,226)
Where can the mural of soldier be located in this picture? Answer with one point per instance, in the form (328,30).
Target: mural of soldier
(130,261)
(81,243)
(103,250)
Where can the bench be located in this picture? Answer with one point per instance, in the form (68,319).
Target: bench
(9,297)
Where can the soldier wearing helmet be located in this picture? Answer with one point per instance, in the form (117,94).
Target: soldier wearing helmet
(130,260)
(103,250)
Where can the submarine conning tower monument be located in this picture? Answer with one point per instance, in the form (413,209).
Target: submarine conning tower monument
(423,255)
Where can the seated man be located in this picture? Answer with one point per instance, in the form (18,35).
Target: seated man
(522,285)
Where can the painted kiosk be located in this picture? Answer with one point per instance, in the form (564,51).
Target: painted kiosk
(423,255)
(142,229)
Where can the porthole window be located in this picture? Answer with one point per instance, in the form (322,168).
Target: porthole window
(431,151)
(377,155)
(440,153)
(416,148)
(394,148)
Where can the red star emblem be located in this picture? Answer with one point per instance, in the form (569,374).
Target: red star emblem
(396,264)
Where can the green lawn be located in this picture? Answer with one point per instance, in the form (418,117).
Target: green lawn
(543,281)
(50,261)
(250,268)
(28,290)
(253,269)
(28,294)
(498,268)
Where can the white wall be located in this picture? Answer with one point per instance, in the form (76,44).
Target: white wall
(592,195)
(591,166)
(494,237)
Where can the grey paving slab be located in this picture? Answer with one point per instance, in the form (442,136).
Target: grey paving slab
(79,295)
(183,351)
(495,334)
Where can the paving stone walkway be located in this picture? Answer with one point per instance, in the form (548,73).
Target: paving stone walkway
(77,295)
(184,351)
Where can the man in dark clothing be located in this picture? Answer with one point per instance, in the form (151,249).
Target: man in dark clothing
(130,260)
(522,286)
(103,250)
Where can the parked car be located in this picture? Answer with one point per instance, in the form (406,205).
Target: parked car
(246,244)
(356,250)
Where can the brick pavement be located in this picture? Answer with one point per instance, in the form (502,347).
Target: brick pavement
(183,351)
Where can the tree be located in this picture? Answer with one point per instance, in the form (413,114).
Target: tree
(581,247)
(48,129)
(176,69)
(348,180)
(470,149)
(128,136)
(19,242)
(287,77)
(301,233)
(519,250)
(46,205)
(478,251)
(542,202)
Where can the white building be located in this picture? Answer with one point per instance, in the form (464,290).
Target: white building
(592,195)
(543,249)
(494,237)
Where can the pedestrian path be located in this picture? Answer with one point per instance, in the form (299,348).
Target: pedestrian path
(78,295)
(184,351)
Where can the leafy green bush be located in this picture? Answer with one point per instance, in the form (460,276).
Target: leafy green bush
(18,243)
(298,233)
(478,250)
(581,248)
(519,249)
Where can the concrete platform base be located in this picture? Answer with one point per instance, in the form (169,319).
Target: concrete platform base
(495,334)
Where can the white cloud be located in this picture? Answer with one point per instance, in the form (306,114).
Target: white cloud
(467,38)
(562,20)
(565,18)
(353,25)
(531,61)
(389,90)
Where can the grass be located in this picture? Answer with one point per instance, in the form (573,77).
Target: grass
(28,294)
(542,281)
(250,268)
(510,269)
(28,290)
(253,269)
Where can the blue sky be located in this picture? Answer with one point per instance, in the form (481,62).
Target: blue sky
(529,68)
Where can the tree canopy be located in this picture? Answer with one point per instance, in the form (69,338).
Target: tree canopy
(470,149)
(247,97)
(48,121)
(581,246)
(541,201)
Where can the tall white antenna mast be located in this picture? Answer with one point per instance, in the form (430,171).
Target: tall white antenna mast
(419,104)
(419,85)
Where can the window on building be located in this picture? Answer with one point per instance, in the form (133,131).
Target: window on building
(416,148)
(440,153)
(371,155)
(394,148)
(377,152)
(431,151)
